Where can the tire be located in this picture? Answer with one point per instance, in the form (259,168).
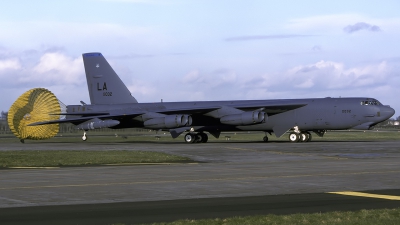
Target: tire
(294,137)
(204,137)
(265,139)
(309,136)
(190,138)
(303,137)
(199,138)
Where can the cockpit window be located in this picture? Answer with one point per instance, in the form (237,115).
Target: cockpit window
(370,102)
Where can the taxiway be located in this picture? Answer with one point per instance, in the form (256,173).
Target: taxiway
(225,171)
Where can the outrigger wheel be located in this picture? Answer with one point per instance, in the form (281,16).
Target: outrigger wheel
(35,105)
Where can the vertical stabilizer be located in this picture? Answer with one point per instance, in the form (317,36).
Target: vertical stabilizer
(105,86)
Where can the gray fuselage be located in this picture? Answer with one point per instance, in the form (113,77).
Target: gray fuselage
(316,114)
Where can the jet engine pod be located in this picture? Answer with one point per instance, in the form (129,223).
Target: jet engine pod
(35,105)
(169,121)
(246,118)
(97,124)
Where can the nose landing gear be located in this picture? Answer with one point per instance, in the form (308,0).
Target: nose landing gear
(84,137)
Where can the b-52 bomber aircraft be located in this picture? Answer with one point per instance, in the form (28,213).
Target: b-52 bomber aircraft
(113,106)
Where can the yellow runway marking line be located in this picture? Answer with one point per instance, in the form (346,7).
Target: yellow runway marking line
(32,167)
(367,195)
(133,164)
(116,164)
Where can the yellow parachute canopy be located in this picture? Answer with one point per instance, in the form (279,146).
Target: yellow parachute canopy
(35,105)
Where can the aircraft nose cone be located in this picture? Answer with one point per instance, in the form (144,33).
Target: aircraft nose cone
(387,112)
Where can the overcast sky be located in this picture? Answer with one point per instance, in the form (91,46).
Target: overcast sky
(184,50)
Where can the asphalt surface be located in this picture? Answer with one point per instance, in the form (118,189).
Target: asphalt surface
(231,179)
(162,211)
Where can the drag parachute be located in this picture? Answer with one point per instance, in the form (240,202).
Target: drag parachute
(35,105)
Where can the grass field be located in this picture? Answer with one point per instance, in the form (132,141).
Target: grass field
(362,217)
(82,158)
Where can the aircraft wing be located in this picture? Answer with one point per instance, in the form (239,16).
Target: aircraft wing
(270,109)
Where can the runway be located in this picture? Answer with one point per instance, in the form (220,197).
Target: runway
(161,211)
(289,178)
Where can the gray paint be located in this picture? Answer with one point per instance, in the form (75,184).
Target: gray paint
(101,79)
(111,100)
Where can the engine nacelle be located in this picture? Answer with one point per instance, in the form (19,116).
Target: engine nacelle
(169,121)
(97,124)
(246,118)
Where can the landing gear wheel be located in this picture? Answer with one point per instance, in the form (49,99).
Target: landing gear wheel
(190,138)
(294,137)
(304,137)
(199,138)
(309,136)
(265,139)
(84,137)
(204,137)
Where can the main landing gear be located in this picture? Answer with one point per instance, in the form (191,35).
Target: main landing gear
(300,137)
(265,138)
(196,137)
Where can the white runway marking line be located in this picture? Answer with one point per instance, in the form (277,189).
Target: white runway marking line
(367,195)
(13,200)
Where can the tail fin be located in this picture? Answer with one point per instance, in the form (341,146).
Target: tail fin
(105,86)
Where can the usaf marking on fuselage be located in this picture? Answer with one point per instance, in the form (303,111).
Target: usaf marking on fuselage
(113,106)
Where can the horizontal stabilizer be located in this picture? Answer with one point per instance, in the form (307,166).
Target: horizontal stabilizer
(83,119)
(76,120)
(80,114)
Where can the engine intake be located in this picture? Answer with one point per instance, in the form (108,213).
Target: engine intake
(169,121)
(246,118)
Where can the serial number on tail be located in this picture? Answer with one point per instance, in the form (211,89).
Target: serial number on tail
(107,93)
